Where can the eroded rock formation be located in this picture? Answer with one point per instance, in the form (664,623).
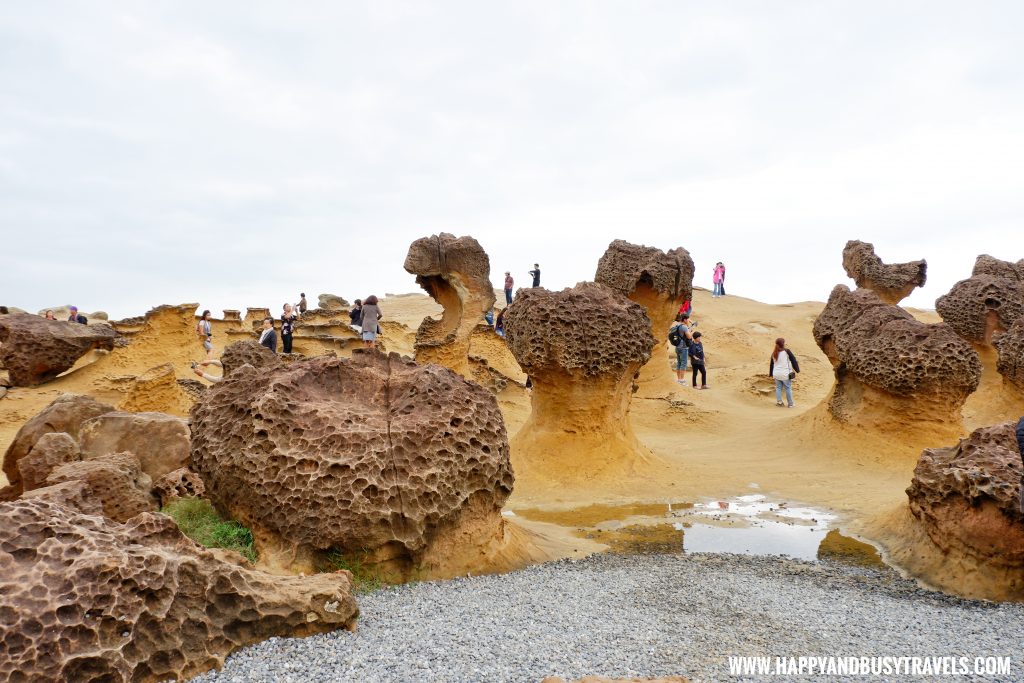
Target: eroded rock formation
(247,353)
(1010,346)
(657,280)
(89,599)
(157,390)
(455,271)
(891,282)
(582,348)
(892,370)
(115,481)
(35,350)
(372,454)
(332,302)
(181,483)
(987,303)
(159,441)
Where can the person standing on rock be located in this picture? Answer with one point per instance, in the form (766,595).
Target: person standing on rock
(50,316)
(355,316)
(697,361)
(268,337)
(783,368)
(204,330)
(368,321)
(508,287)
(302,303)
(681,337)
(719,280)
(74,317)
(535,274)
(288,319)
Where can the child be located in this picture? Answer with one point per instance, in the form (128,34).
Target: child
(697,361)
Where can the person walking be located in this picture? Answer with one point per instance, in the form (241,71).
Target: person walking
(535,274)
(783,369)
(719,280)
(74,317)
(268,337)
(508,287)
(204,330)
(288,319)
(302,303)
(697,361)
(679,336)
(368,321)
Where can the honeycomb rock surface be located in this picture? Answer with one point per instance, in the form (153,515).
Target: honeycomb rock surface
(660,281)
(968,496)
(987,303)
(332,302)
(181,483)
(87,599)
(35,350)
(247,353)
(159,441)
(373,453)
(50,451)
(455,272)
(891,282)
(1010,346)
(65,414)
(889,366)
(116,481)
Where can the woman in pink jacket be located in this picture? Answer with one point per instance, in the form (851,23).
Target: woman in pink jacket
(719,280)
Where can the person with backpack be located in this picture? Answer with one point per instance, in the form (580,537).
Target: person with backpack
(783,368)
(204,330)
(76,317)
(697,361)
(680,337)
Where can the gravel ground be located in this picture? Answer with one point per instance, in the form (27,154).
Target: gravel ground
(638,615)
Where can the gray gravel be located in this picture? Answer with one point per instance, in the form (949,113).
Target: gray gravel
(638,615)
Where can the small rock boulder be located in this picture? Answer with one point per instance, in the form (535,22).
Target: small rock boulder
(116,481)
(247,352)
(987,303)
(891,282)
(50,452)
(331,302)
(159,441)
(35,350)
(181,483)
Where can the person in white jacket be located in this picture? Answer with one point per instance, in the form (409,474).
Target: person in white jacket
(783,368)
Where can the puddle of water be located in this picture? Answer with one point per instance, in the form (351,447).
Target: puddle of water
(839,548)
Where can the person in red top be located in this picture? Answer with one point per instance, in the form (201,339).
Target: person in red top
(508,287)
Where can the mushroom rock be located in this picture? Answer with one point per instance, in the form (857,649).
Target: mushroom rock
(987,303)
(893,371)
(331,302)
(891,282)
(404,466)
(967,497)
(159,441)
(115,481)
(582,348)
(455,272)
(659,281)
(90,599)
(35,350)
(1010,346)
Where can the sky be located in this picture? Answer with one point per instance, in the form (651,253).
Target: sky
(234,154)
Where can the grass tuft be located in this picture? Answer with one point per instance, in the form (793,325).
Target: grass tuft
(199,521)
(365,578)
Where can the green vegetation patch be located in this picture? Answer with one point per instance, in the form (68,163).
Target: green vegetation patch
(365,577)
(199,521)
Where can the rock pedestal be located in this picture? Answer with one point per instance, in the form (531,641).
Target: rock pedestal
(891,282)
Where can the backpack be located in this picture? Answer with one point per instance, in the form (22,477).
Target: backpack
(676,337)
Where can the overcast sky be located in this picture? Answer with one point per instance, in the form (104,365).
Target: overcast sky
(237,153)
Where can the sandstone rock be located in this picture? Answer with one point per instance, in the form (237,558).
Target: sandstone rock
(247,353)
(968,497)
(159,441)
(987,303)
(582,348)
(455,272)
(156,390)
(75,495)
(372,453)
(889,367)
(660,282)
(181,483)
(49,452)
(89,599)
(116,481)
(332,302)
(35,350)
(65,414)
(1011,354)
(891,282)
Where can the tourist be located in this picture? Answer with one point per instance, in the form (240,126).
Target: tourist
(49,315)
(719,280)
(368,321)
(508,287)
(681,337)
(268,337)
(697,361)
(356,314)
(74,317)
(499,323)
(302,302)
(204,330)
(489,317)
(288,319)
(783,369)
(206,376)
(686,308)
(535,274)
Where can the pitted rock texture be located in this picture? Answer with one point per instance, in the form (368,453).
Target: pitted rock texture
(35,350)
(156,390)
(456,272)
(181,483)
(1011,354)
(65,414)
(49,452)
(116,481)
(159,441)
(373,453)
(890,366)
(987,303)
(88,599)
(891,282)
(968,496)
(659,281)
(247,353)
(331,302)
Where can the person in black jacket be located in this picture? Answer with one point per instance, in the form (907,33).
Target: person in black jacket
(696,352)
(268,337)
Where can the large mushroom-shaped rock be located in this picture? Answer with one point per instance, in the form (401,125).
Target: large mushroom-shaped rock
(1010,346)
(659,281)
(892,282)
(376,455)
(159,441)
(987,303)
(968,499)
(89,599)
(456,272)
(35,350)
(115,481)
(893,371)
(582,348)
